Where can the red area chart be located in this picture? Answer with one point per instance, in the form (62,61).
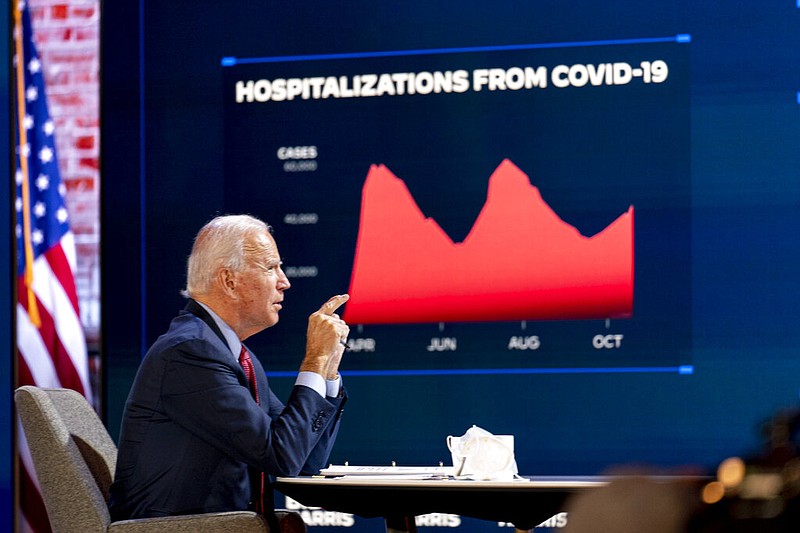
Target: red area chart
(520,261)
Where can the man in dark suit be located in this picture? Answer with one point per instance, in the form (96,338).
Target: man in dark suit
(197,435)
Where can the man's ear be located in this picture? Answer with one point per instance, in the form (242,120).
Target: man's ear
(227,281)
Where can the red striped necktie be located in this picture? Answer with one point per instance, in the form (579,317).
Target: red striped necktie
(250,372)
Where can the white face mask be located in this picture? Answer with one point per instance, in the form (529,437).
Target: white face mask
(480,455)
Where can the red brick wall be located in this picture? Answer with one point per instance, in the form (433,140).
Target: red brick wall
(67,34)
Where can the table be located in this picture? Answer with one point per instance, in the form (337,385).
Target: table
(525,503)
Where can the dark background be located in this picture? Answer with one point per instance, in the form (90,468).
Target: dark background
(164,175)
(7,272)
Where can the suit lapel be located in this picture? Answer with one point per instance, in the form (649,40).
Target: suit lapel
(261,377)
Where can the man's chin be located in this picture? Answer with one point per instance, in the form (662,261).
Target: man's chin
(270,321)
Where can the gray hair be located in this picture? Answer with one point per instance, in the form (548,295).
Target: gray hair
(224,242)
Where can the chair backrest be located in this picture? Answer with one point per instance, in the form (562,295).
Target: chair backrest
(73,455)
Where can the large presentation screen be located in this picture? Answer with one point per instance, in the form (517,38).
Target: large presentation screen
(518,208)
(574,222)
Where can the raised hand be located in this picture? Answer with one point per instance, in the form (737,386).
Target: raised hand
(326,339)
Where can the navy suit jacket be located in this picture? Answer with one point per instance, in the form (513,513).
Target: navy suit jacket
(192,434)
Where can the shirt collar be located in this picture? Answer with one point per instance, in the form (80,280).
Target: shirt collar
(232,339)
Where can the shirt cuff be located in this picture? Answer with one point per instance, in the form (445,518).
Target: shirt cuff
(312,380)
(333,386)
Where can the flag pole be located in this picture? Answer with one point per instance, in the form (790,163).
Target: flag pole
(33,309)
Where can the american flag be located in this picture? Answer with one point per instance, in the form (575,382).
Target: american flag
(50,338)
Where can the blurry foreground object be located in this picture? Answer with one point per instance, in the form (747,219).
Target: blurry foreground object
(634,504)
(761,493)
(758,494)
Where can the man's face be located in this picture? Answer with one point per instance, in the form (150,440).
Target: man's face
(262,283)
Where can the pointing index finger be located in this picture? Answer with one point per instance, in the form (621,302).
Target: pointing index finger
(329,307)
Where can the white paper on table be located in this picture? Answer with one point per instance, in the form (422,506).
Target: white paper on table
(385,472)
